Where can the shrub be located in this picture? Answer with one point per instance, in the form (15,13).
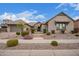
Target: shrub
(77,35)
(44,30)
(17,33)
(24,33)
(12,42)
(72,32)
(53,31)
(63,31)
(54,43)
(48,33)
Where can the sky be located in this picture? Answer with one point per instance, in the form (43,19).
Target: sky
(37,12)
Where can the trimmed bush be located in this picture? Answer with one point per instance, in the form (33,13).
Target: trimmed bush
(63,31)
(44,30)
(17,33)
(74,31)
(24,33)
(48,33)
(54,43)
(12,42)
(53,31)
(77,35)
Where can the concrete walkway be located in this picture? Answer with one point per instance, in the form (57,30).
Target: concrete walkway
(43,41)
(73,52)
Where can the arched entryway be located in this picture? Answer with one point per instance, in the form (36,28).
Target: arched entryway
(39,28)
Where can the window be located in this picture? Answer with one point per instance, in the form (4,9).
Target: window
(60,26)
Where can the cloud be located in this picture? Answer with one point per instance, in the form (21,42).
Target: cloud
(26,20)
(75,18)
(60,5)
(40,17)
(73,5)
(28,16)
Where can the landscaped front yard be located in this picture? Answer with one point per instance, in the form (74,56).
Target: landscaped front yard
(11,42)
(9,35)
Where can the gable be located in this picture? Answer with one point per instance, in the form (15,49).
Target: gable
(20,21)
(61,17)
(37,24)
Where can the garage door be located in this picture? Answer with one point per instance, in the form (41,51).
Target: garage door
(14,29)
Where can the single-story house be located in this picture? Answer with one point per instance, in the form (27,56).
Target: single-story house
(61,22)
(76,25)
(12,26)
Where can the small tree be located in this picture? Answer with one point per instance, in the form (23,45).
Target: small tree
(21,26)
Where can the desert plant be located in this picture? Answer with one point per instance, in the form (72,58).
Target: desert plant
(17,33)
(48,33)
(24,33)
(63,31)
(12,42)
(77,34)
(72,32)
(54,43)
(44,30)
(53,31)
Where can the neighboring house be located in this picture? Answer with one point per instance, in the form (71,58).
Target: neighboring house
(76,25)
(61,22)
(37,26)
(11,26)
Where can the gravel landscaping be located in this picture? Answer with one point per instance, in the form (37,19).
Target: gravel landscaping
(60,36)
(40,46)
(9,35)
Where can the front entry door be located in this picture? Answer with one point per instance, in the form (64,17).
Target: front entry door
(39,28)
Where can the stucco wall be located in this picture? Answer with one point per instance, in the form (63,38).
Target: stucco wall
(27,27)
(36,26)
(51,23)
(70,26)
(13,28)
(76,24)
(43,26)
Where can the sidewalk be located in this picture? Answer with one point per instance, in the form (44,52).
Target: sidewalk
(43,41)
(73,52)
